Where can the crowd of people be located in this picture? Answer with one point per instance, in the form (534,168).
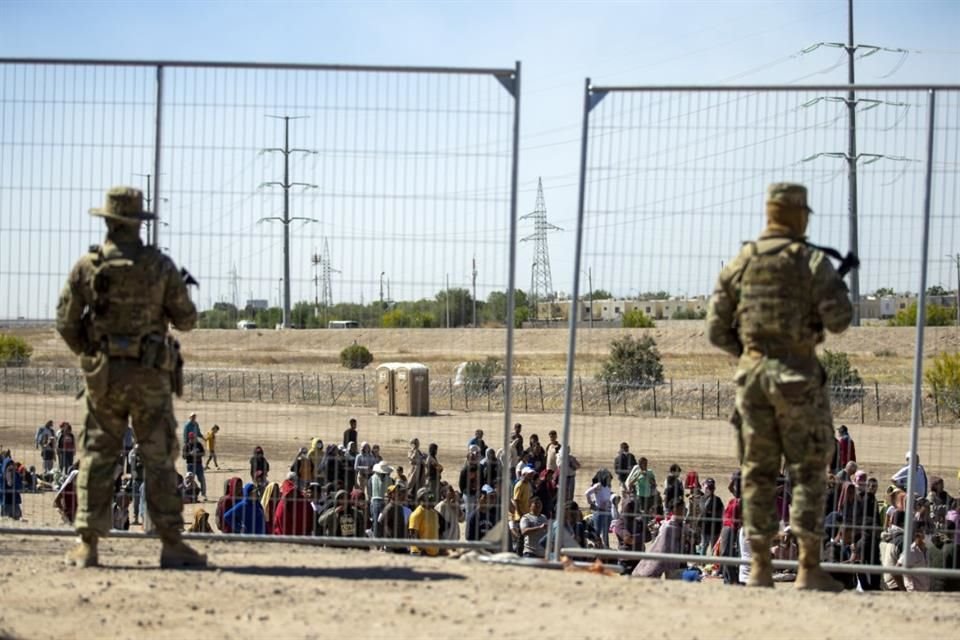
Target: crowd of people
(347,489)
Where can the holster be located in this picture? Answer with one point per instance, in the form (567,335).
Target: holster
(96,371)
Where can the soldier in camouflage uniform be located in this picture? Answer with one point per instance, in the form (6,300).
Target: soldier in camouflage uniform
(770,308)
(114,313)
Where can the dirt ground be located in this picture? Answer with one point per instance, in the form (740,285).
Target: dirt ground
(286,591)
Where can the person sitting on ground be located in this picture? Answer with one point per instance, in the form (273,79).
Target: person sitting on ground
(246,516)
(341,520)
(268,501)
(189,489)
(293,515)
(201,522)
(232,493)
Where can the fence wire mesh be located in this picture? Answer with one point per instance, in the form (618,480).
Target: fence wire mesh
(305,197)
(673,181)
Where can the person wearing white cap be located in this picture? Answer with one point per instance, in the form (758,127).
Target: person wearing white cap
(378,493)
(920,479)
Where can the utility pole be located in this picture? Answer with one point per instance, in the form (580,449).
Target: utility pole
(851,156)
(474,292)
(323,279)
(956,260)
(149,199)
(590,284)
(852,167)
(286,219)
(446,301)
(382,273)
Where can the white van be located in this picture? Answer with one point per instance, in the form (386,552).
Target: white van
(343,324)
(246,325)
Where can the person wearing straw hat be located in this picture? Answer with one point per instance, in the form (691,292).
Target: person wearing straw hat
(114,313)
(770,308)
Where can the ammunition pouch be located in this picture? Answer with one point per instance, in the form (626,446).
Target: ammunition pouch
(96,371)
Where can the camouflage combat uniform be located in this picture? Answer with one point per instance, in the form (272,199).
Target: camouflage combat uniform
(770,307)
(114,313)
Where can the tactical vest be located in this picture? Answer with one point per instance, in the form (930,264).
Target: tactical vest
(127,299)
(775,309)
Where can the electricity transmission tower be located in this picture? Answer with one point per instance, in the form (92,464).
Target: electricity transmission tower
(851,156)
(286,219)
(322,280)
(235,287)
(541,282)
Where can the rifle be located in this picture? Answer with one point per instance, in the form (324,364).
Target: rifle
(188,279)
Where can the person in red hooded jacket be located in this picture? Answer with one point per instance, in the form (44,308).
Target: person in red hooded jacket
(293,515)
(232,493)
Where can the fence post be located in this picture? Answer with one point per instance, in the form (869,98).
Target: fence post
(525,407)
(303,390)
(718,397)
(201,387)
(229,388)
(259,390)
(654,400)
(288,388)
(488,398)
(540,382)
(43,383)
(363,379)
(624,391)
(861,402)
(466,398)
(703,400)
(243,386)
(936,404)
(273,388)
(671,396)
(609,403)
(450,386)
(580,384)
(333,393)
(876,398)
(4,378)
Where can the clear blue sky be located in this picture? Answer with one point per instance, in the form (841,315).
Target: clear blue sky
(558,43)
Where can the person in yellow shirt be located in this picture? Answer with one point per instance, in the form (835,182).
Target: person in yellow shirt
(520,505)
(211,440)
(424,524)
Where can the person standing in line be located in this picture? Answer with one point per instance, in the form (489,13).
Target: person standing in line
(193,456)
(114,313)
(191,426)
(350,434)
(770,308)
(623,464)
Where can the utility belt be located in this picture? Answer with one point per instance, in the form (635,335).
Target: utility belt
(779,352)
(152,350)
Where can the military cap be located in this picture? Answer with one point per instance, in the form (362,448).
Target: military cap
(123,204)
(788,194)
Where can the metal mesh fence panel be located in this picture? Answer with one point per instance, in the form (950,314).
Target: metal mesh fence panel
(673,181)
(327,213)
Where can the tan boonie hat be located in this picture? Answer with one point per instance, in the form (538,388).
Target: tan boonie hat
(788,194)
(123,204)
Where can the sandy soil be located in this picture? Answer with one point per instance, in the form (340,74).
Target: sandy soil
(881,353)
(287,591)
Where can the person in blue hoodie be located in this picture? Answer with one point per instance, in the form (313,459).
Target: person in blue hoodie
(246,517)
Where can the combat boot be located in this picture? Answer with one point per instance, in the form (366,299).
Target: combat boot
(84,554)
(761,567)
(177,554)
(810,576)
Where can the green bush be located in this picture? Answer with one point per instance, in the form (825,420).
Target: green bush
(637,319)
(632,363)
(944,378)
(14,351)
(839,371)
(937,316)
(688,314)
(356,356)
(480,376)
